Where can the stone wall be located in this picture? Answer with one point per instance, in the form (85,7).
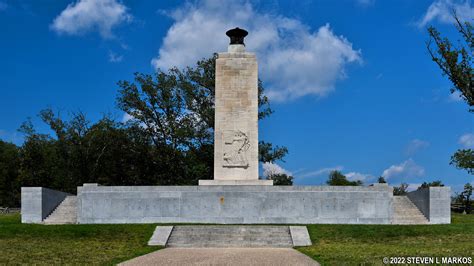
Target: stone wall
(38,202)
(434,203)
(235,204)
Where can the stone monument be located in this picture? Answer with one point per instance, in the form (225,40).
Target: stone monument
(236,195)
(236,117)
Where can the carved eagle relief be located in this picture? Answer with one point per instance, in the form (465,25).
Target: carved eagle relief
(236,145)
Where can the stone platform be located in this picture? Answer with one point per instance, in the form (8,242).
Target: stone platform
(235,204)
(240,205)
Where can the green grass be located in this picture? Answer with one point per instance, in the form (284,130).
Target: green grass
(71,244)
(369,244)
(332,244)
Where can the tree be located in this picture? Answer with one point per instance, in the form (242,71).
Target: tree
(456,62)
(381,180)
(336,178)
(466,195)
(400,190)
(272,171)
(268,153)
(281,179)
(436,183)
(464,159)
(9,167)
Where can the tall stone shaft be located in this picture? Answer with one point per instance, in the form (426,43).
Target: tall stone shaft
(236,118)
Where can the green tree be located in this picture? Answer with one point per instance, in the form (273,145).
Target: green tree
(466,195)
(400,190)
(9,167)
(79,152)
(381,180)
(436,183)
(281,179)
(456,62)
(39,161)
(464,159)
(336,178)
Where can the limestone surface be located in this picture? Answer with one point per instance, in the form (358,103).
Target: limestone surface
(236,116)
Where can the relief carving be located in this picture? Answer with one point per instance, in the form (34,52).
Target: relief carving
(236,145)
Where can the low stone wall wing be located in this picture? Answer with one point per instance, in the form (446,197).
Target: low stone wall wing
(434,203)
(38,202)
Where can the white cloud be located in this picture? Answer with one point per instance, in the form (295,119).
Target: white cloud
(441,11)
(270,169)
(294,61)
(416,145)
(320,171)
(467,140)
(406,169)
(91,15)
(115,58)
(353,176)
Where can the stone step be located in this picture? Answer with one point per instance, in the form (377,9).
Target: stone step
(59,217)
(230,236)
(405,212)
(227,245)
(410,219)
(227,232)
(65,213)
(227,239)
(227,228)
(410,213)
(410,222)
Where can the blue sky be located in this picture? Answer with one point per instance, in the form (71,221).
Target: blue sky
(351,83)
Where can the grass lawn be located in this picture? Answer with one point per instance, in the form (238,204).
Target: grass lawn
(332,244)
(71,244)
(369,244)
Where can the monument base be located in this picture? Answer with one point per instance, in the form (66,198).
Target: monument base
(237,204)
(258,182)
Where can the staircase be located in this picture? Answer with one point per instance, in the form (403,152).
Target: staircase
(230,236)
(405,212)
(65,213)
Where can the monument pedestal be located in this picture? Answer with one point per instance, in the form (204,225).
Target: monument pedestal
(236,117)
(258,182)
